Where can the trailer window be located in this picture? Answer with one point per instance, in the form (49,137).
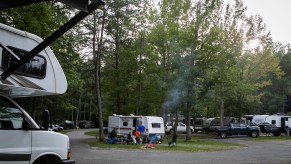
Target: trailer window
(273,121)
(198,122)
(156,125)
(125,123)
(34,68)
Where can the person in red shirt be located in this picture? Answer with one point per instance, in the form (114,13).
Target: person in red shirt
(137,136)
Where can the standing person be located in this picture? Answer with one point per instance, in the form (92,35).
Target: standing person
(174,140)
(137,136)
(141,128)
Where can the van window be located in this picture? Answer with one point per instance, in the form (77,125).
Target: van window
(34,68)
(10,116)
(156,125)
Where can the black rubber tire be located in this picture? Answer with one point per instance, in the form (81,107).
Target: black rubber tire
(223,135)
(277,134)
(48,160)
(254,134)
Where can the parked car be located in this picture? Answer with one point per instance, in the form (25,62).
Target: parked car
(55,127)
(238,129)
(181,128)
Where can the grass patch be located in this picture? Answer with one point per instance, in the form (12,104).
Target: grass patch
(182,145)
(196,144)
(92,133)
(270,138)
(65,131)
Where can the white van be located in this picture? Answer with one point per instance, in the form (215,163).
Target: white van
(22,141)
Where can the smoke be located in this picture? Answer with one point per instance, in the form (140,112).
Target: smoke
(173,98)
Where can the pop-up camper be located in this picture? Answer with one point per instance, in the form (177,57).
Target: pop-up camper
(126,124)
(21,139)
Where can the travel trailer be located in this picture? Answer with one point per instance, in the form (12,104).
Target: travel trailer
(22,140)
(275,124)
(126,124)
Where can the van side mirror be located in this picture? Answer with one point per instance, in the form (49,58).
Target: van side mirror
(45,118)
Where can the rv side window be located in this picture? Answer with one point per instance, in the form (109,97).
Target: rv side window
(10,116)
(125,123)
(273,121)
(156,125)
(34,68)
(198,122)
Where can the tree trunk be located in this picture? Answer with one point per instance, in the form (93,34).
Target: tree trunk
(221,110)
(188,121)
(139,74)
(117,56)
(97,73)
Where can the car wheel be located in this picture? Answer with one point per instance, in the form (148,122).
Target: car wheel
(254,134)
(172,131)
(277,134)
(48,160)
(223,135)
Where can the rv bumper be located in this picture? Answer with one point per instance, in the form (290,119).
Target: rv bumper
(68,162)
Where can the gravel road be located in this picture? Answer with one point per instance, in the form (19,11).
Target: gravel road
(256,152)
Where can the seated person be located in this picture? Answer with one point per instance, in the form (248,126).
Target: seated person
(112,136)
(130,137)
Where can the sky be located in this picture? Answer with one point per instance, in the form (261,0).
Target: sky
(276,15)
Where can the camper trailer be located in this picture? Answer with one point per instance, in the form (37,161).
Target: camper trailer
(126,124)
(21,138)
(275,124)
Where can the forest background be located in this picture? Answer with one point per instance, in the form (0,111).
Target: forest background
(197,58)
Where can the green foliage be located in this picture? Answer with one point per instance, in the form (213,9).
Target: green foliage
(198,58)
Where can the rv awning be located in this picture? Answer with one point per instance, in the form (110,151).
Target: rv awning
(78,4)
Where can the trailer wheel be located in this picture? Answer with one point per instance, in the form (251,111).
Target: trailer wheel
(223,135)
(254,134)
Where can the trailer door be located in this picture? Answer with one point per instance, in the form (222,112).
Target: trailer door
(15,142)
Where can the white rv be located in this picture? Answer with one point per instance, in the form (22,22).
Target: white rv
(126,124)
(22,141)
(275,124)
